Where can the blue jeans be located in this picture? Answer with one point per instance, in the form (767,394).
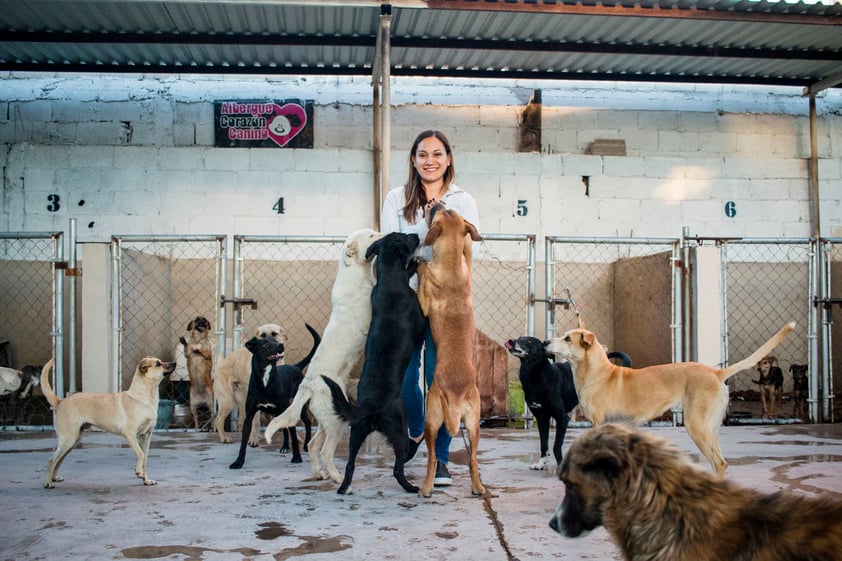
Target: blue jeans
(413,399)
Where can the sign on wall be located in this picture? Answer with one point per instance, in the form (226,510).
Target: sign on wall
(263,123)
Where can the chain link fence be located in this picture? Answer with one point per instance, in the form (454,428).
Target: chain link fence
(28,304)
(832,325)
(161,284)
(623,289)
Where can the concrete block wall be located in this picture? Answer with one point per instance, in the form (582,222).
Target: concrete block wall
(135,155)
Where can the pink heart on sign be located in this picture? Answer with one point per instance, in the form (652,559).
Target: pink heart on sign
(286,122)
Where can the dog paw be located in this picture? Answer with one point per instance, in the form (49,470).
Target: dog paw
(284,450)
(296,460)
(149,482)
(540,464)
(236,465)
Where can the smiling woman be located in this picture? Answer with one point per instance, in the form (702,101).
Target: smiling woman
(430,179)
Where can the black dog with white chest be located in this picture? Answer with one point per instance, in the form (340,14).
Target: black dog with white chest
(397,325)
(549,391)
(272,388)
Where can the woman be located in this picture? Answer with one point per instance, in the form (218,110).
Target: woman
(430,179)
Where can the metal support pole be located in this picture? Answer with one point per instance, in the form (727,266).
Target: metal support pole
(116,316)
(386,108)
(71,325)
(58,316)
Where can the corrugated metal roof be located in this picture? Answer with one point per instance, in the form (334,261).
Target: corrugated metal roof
(720,41)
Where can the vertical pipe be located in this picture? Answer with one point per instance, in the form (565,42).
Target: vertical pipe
(685,295)
(824,249)
(238,292)
(116,316)
(676,304)
(72,312)
(549,288)
(812,338)
(377,149)
(58,315)
(386,121)
(723,283)
(221,285)
(530,285)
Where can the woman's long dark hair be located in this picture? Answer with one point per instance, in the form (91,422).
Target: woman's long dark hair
(415,196)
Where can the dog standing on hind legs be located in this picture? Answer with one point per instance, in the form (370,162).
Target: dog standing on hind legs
(198,349)
(397,325)
(444,293)
(132,414)
(658,506)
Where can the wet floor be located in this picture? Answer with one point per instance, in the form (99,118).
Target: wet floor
(273,509)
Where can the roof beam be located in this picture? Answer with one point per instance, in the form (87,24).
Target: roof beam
(651,11)
(224,39)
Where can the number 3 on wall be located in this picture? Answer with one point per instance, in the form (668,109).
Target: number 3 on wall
(730,209)
(54,205)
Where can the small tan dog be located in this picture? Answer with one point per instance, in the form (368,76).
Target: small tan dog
(444,292)
(232,384)
(771,380)
(658,506)
(641,394)
(132,414)
(198,349)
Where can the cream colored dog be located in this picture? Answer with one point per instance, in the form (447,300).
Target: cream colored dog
(132,414)
(232,384)
(444,292)
(607,390)
(342,344)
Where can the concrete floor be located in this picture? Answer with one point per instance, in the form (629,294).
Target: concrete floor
(273,510)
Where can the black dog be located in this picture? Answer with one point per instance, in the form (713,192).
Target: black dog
(397,325)
(549,391)
(272,388)
(800,391)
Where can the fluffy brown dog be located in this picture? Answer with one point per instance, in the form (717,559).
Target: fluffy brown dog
(198,349)
(232,383)
(132,414)
(444,292)
(641,394)
(657,506)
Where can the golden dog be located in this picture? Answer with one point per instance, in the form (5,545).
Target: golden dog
(444,293)
(232,384)
(657,506)
(198,349)
(132,414)
(606,389)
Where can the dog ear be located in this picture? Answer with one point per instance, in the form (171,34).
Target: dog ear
(433,234)
(472,230)
(251,343)
(579,321)
(588,339)
(373,249)
(351,250)
(190,326)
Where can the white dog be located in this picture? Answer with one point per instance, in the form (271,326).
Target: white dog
(342,344)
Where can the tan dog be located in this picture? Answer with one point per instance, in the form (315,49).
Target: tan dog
(198,349)
(342,344)
(444,292)
(132,414)
(658,506)
(641,394)
(232,383)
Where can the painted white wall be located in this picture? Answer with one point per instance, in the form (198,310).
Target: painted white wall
(135,155)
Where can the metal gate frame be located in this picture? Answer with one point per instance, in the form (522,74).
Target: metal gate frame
(116,297)
(58,320)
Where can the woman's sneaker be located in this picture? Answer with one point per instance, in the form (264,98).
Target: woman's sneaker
(442,478)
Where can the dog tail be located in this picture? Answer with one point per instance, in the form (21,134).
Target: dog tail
(302,364)
(764,350)
(343,408)
(46,388)
(291,415)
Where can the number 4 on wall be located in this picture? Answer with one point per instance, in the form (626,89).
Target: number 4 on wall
(279,206)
